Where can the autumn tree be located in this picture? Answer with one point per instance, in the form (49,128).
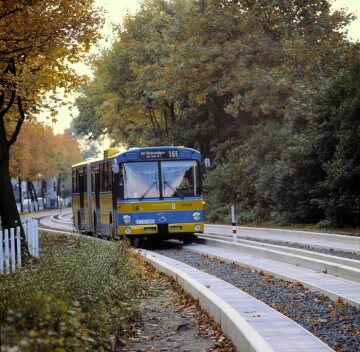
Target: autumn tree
(33,155)
(39,40)
(39,154)
(197,72)
(66,153)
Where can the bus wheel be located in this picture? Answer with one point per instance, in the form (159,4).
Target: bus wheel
(79,221)
(188,239)
(136,242)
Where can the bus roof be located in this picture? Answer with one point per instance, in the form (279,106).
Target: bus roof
(149,153)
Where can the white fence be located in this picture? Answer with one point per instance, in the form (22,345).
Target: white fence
(10,248)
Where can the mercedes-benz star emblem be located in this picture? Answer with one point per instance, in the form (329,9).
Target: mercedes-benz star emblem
(162,217)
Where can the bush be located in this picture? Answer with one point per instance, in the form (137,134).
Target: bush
(304,168)
(73,299)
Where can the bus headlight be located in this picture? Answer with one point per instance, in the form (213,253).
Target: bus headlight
(127,219)
(196,216)
(197,227)
(128,230)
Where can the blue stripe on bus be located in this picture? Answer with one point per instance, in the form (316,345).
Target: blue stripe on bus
(171,217)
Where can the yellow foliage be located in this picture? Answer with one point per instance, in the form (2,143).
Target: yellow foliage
(38,40)
(38,153)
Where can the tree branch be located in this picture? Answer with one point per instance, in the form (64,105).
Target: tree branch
(10,67)
(16,9)
(9,104)
(8,52)
(2,98)
(19,122)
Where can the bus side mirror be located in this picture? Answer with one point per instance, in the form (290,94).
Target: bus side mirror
(115,167)
(207,162)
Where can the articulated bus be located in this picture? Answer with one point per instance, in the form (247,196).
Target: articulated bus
(142,192)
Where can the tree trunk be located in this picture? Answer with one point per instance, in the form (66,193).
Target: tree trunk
(8,210)
(43,191)
(28,194)
(20,196)
(33,195)
(58,191)
(9,214)
(166,121)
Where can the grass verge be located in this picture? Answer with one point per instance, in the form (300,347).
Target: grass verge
(75,298)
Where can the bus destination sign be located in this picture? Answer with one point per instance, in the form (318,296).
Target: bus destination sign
(159,154)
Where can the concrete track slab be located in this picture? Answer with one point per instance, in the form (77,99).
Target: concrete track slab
(329,285)
(315,239)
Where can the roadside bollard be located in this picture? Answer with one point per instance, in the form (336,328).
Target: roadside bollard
(233,224)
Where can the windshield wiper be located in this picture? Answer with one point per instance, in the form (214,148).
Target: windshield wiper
(174,190)
(148,190)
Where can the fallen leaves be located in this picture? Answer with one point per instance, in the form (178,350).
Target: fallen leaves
(340,303)
(153,329)
(333,313)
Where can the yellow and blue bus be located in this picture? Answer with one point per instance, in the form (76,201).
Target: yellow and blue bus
(141,192)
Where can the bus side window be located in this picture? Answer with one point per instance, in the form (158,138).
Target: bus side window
(104,177)
(107,186)
(102,180)
(108,177)
(85,179)
(73,180)
(76,186)
(92,179)
(121,183)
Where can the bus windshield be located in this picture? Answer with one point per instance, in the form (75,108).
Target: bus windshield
(141,180)
(180,178)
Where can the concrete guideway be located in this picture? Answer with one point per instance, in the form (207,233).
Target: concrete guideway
(46,213)
(301,252)
(56,219)
(66,215)
(54,223)
(249,323)
(329,285)
(313,239)
(340,267)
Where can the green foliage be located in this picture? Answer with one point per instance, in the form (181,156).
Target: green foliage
(72,300)
(196,72)
(305,168)
(334,132)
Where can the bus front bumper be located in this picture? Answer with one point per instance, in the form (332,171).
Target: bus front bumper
(153,229)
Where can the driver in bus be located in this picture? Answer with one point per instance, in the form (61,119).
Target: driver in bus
(184,184)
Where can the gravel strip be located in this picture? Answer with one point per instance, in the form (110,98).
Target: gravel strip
(337,324)
(336,253)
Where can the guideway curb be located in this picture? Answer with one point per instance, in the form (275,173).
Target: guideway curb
(323,240)
(244,230)
(318,265)
(276,329)
(284,249)
(234,326)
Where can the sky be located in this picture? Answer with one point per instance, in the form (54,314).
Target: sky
(117,9)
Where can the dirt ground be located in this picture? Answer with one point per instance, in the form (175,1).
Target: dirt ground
(169,320)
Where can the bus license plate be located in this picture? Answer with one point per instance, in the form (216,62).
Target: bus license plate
(145,221)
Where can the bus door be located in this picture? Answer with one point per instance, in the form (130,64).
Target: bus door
(82,181)
(114,189)
(96,214)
